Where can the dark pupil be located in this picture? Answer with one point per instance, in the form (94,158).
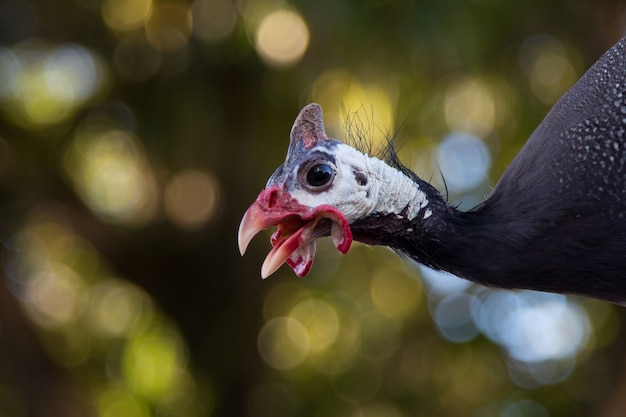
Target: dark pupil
(319,175)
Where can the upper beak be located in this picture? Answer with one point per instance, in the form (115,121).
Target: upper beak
(252,223)
(272,206)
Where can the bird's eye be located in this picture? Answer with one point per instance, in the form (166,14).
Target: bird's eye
(319,175)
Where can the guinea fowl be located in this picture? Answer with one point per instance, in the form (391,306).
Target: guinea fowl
(556,220)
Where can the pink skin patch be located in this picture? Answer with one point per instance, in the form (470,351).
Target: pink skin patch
(298,228)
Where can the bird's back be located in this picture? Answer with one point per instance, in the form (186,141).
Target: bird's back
(580,145)
(563,198)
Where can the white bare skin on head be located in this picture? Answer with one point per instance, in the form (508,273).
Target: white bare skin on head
(379,188)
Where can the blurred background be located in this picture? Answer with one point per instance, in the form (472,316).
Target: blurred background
(135,133)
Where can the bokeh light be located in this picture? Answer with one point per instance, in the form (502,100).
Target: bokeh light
(118,309)
(282,38)
(562,327)
(44,84)
(396,295)
(453,318)
(191,198)
(163,44)
(464,161)
(320,322)
(214,20)
(55,296)
(543,333)
(126,15)
(283,343)
(470,107)
(547,66)
(153,362)
(169,25)
(111,174)
(72,74)
(553,329)
(540,331)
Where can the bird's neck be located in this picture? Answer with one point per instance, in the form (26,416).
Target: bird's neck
(410,216)
(494,246)
(475,245)
(399,194)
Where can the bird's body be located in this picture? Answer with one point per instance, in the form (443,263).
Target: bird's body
(556,220)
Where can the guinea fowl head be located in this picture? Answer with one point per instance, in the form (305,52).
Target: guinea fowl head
(323,187)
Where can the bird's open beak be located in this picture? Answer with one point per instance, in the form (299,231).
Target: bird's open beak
(298,228)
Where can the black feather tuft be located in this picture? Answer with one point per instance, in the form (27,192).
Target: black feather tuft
(358,134)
